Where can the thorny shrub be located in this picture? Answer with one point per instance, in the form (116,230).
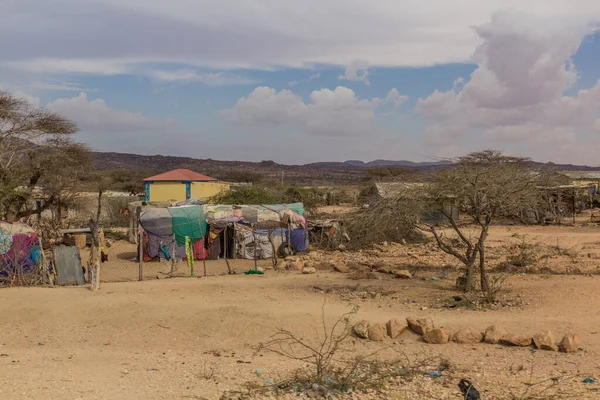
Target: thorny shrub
(328,372)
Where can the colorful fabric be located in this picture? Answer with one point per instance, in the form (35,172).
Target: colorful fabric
(189,254)
(5,242)
(188,221)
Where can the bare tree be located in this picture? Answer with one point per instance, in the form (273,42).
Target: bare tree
(484,186)
(36,150)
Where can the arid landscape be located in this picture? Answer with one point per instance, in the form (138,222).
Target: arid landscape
(199,338)
(248,200)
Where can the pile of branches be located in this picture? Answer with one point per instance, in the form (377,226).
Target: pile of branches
(390,219)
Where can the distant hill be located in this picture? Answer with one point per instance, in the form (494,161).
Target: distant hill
(320,173)
(379,163)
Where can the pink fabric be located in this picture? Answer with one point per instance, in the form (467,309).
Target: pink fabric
(200,253)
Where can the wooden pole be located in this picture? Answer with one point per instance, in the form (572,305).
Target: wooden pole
(95,251)
(225,249)
(255,246)
(140,240)
(173,257)
(45,262)
(574,206)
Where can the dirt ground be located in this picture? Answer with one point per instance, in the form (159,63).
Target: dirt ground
(195,338)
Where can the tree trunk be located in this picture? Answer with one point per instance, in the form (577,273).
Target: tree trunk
(481,250)
(482,271)
(95,269)
(470,277)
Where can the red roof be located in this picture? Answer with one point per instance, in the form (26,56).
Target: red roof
(180,175)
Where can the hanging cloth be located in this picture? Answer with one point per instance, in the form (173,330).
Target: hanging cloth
(188,221)
(189,254)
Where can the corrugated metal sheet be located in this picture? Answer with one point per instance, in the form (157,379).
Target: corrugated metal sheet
(68,266)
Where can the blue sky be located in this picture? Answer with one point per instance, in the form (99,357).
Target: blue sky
(313,81)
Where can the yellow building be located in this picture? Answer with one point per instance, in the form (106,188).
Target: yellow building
(182,184)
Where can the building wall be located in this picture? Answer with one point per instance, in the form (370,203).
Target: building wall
(165,191)
(206,190)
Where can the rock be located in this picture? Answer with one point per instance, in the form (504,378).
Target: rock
(377,333)
(403,274)
(569,344)
(395,327)
(309,270)
(296,266)
(385,270)
(468,335)
(545,341)
(339,266)
(420,326)
(493,334)
(260,269)
(437,336)
(511,339)
(361,329)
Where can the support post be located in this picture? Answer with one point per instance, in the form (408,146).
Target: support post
(140,240)
(574,206)
(225,237)
(173,257)
(45,262)
(255,246)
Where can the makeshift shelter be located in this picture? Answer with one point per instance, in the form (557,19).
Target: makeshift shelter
(19,249)
(224,231)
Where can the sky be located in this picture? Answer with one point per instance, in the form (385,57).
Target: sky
(301,81)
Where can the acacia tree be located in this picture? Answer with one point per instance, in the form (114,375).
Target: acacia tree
(484,186)
(38,157)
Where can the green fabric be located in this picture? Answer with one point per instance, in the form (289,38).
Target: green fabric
(165,250)
(297,208)
(188,221)
(253,272)
(189,254)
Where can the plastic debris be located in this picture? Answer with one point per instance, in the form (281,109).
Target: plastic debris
(434,374)
(253,272)
(468,390)
(589,380)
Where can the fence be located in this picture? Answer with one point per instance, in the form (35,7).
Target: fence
(28,264)
(122,262)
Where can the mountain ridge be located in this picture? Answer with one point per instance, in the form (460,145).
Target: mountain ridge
(319,173)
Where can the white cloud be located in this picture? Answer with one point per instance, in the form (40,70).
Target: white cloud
(357,71)
(64,65)
(395,97)
(517,93)
(335,113)
(207,78)
(63,86)
(314,76)
(41,36)
(292,83)
(97,116)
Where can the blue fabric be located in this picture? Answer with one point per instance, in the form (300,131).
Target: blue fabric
(35,255)
(299,239)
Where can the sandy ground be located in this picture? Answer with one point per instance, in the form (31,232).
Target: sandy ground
(194,338)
